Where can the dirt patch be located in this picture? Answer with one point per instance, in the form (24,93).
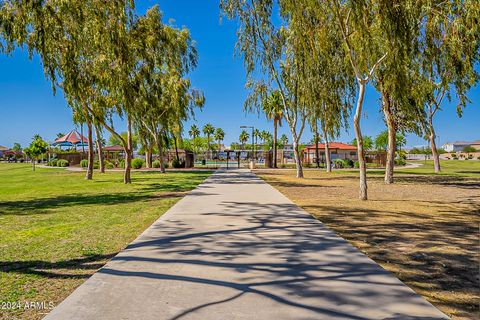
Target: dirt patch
(424,229)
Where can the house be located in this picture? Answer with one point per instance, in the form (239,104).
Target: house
(458,146)
(338,150)
(3,150)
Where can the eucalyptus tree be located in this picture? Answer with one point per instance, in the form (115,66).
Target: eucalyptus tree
(99,139)
(264,47)
(219,135)
(328,84)
(272,108)
(449,50)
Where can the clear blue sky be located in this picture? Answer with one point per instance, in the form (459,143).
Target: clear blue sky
(27,105)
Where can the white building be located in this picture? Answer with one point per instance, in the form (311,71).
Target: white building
(458,146)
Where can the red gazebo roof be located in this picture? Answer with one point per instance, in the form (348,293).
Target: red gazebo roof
(73,137)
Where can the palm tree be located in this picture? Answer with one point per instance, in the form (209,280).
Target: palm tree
(243,138)
(208,130)
(194,132)
(219,136)
(284,140)
(273,111)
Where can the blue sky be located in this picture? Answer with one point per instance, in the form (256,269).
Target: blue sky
(27,105)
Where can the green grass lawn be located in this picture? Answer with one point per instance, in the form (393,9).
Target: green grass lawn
(56,228)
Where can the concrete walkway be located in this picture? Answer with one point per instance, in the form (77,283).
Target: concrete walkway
(235,248)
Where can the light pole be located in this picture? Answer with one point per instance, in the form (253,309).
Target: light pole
(253,149)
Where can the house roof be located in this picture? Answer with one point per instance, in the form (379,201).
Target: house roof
(73,137)
(459,143)
(2,148)
(334,145)
(113,148)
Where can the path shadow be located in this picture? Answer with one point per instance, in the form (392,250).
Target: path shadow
(289,272)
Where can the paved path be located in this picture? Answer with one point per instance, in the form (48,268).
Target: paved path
(235,248)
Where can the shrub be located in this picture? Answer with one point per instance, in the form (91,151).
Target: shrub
(62,163)
(84,163)
(478,158)
(109,165)
(453,155)
(156,164)
(137,163)
(121,164)
(167,165)
(455,158)
(178,164)
(348,163)
(356,164)
(400,162)
(53,162)
(470,156)
(307,165)
(338,163)
(96,165)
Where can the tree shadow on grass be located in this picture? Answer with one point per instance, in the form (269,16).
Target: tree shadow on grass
(42,205)
(80,268)
(434,255)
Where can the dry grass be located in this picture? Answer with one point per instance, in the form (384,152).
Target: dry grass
(423,228)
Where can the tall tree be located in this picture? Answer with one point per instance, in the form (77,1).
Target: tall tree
(243,138)
(219,136)
(273,110)
(263,45)
(194,132)
(208,131)
(449,50)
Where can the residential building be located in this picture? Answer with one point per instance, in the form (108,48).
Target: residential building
(338,150)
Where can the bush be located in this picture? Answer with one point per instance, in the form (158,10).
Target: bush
(307,165)
(96,165)
(455,158)
(167,165)
(53,163)
(453,155)
(137,163)
(338,163)
(470,156)
(108,165)
(178,164)
(84,163)
(348,163)
(121,164)
(356,164)
(478,158)
(400,162)
(156,164)
(62,163)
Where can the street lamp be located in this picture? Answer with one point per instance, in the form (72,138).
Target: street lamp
(253,149)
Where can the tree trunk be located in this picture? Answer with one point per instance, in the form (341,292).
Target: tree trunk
(275,129)
(99,148)
(328,162)
(298,160)
(327,154)
(158,140)
(176,148)
(315,140)
(33,164)
(433,145)
(392,136)
(128,153)
(358,133)
(91,154)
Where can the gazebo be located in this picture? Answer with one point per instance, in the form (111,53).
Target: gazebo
(71,139)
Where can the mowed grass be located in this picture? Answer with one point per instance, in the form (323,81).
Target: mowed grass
(424,228)
(56,228)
